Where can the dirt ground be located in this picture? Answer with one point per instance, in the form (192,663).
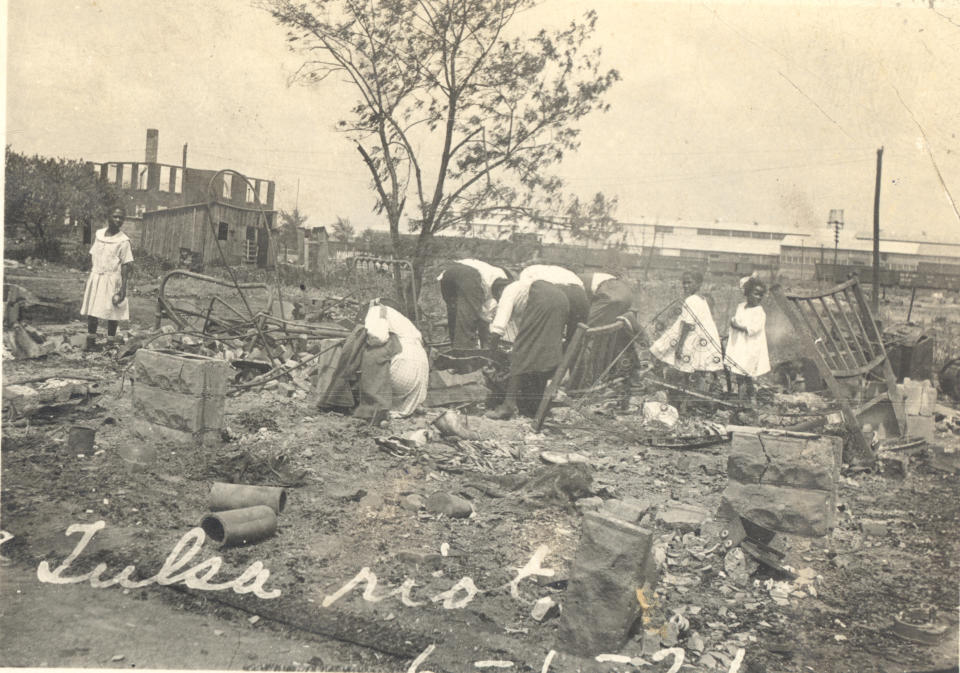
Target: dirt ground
(349,509)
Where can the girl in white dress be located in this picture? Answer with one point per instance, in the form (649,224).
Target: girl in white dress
(747,355)
(105,295)
(692,343)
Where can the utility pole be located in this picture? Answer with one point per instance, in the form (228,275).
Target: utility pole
(836,221)
(875,299)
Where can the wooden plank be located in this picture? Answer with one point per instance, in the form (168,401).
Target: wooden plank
(818,294)
(568,357)
(853,333)
(846,353)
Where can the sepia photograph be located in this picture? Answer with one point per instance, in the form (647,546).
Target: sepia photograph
(442,336)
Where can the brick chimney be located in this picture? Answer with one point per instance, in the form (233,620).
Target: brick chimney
(153,141)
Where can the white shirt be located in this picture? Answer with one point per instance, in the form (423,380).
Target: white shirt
(513,301)
(552,274)
(381,321)
(599,278)
(488,274)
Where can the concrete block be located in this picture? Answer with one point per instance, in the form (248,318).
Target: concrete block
(601,603)
(154,432)
(787,461)
(782,508)
(184,373)
(681,516)
(921,426)
(630,510)
(185,413)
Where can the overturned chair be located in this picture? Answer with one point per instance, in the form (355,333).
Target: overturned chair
(841,336)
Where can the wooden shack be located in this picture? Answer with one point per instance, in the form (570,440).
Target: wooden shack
(188,236)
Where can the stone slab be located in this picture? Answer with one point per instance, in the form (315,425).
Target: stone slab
(921,426)
(763,458)
(784,509)
(185,413)
(601,605)
(682,516)
(627,509)
(183,373)
(154,432)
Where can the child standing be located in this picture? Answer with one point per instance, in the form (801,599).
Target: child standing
(692,343)
(747,355)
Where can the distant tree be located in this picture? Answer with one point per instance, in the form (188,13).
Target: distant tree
(287,227)
(454,111)
(41,192)
(343,230)
(367,237)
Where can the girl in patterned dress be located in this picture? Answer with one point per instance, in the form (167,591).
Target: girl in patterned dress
(692,343)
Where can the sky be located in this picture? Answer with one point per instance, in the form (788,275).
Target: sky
(768,111)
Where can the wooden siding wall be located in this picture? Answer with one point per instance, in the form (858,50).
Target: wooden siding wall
(166,232)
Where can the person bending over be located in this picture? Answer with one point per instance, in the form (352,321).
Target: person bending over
(467,289)
(540,311)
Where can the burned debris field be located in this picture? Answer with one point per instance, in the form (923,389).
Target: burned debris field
(637,524)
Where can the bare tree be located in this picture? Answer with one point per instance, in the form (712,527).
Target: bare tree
(454,111)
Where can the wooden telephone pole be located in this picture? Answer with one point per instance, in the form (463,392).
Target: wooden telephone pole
(875,299)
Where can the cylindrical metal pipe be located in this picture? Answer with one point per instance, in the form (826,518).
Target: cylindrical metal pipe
(235,496)
(240,526)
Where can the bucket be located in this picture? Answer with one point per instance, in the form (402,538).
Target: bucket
(81,438)
(235,496)
(240,526)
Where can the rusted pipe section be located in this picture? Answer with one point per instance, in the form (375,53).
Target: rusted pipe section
(225,496)
(240,526)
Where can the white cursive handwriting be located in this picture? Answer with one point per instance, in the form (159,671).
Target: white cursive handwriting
(172,571)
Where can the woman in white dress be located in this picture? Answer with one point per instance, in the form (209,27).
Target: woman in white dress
(747,355)
(105,295)
(692,343)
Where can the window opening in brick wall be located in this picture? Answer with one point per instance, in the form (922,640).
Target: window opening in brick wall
(164,179)
(142,176)
(222,230)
